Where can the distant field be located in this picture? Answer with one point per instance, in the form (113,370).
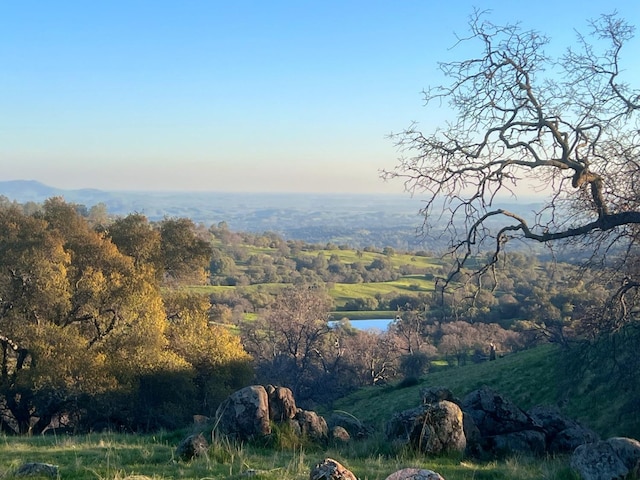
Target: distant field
(343,292)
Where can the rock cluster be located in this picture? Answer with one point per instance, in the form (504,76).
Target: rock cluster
(249,413)
(484,423)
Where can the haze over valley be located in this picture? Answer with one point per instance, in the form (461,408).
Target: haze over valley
(357,220)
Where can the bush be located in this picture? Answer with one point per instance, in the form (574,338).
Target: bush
(414,366)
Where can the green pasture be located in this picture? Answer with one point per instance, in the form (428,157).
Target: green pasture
(409,284)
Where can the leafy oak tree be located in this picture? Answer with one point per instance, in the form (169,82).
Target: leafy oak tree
(566,127)
(219,361)
(85,333)
(185,253)
(77,319)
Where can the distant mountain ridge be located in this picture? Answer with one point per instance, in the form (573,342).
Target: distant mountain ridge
(357,220)
(353,219)
(27,190)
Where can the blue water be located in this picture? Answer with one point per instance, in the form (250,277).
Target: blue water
(370,323)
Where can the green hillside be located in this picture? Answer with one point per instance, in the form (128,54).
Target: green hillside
(544,375)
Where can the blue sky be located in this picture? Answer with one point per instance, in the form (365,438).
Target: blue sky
(287,96)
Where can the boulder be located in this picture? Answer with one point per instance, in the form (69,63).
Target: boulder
(494,414)
(351,424)
(192,447)
(244,415)
(340,434)
(628,451)
(612,459)
(562,434)
(434,428)
(282,405)
(415,474)
(312,425)
(330,469)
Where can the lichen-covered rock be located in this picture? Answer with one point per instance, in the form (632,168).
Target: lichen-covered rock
(525,441)
(613,459)
(192,447)
(356,429)
(434,428)
(282,405)
(330,469)
(312,425)
(415,474)
(244,415)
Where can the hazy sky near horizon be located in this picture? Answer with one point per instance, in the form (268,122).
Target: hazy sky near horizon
(262,96)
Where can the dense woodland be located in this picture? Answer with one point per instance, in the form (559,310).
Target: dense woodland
(119,322)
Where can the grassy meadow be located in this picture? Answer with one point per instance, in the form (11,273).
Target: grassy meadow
(139,457)
(537,376)
(343,292)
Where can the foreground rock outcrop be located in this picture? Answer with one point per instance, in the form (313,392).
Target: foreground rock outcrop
(244,415)
(330,469)
(563,435)
(248,414)
(434,428)
(484,423)
(504,427)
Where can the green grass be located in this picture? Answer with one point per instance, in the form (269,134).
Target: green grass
(546,375)
(133,457)
(528,378)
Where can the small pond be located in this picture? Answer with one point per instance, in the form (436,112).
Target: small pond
(370,323)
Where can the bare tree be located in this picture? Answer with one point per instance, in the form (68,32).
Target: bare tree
(286,340)
(566,128)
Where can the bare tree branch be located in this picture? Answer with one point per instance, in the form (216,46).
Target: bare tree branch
(567,128)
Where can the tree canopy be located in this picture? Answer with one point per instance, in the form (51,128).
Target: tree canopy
(565,128)
(85,330)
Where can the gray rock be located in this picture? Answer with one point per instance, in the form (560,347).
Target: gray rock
(282,405)
(351,424)
(312,425)
(330,469)
(525,441)
(612,459)
(436,394)
(563,434)
(340,434)
(433,428)
(415,474)
(598,461)
(191,447)
(244,415)
(628,451)
(494,414)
